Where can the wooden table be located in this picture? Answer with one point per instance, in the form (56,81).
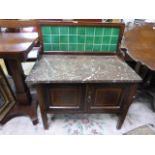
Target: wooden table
(83,84)
(14,48)
(140,44)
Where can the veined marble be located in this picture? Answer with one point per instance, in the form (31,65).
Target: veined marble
(82,69)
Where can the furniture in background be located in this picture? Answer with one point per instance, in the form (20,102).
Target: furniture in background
(7,98)
(17,26)
(14,49)
(140,44)
(80,70)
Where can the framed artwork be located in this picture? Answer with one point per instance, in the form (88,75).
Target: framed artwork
(7,98)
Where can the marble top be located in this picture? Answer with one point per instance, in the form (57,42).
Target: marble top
(81,69)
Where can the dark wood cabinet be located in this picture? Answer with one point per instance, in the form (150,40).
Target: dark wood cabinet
(83,84)
(85,98)
(86,74)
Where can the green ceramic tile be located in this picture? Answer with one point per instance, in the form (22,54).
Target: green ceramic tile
(55,47)
(80,47)
(64,47)
(72,30)
(104,48)
(54,29)
(55,39)
(88,47)
(116,31)
(81,30)
(98,31)
(113,48)
(107,31)
(114,40)
(72,47)
(89,40)
(64,39)
(47,47)
(46,39)
(45,29)
(73,39)
(106,40)
(97,47)
(90,31)
(64,30)
(98,40)
(81,39)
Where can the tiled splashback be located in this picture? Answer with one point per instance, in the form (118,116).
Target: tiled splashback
(73,38)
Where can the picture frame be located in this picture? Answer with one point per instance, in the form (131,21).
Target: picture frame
(7,98)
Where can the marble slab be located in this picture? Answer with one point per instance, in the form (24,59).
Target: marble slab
(81,69)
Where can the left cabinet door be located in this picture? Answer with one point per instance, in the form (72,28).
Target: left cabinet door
(65,97)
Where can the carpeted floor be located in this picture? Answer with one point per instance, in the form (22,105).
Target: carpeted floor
(139,114)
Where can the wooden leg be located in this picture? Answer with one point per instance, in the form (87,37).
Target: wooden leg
(128,100)
(22,92)
(137,67)
(41,99)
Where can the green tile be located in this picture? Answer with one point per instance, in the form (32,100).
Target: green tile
(97,48)
(72,47)
(55,39)
(81,39)
(90,31)
(47,47)
(107,31)
(73,39)
(64,47)
(72,30)
(106,40)
(98,31)
(98,40)
(88,47)
(46,39)
(104,48)
(55,47)
(81,30)
(45,29)
(54,30)
(64,30)
(80,47)
(89,40)
(114,40)
(113,48)
(64,39)
(116,31)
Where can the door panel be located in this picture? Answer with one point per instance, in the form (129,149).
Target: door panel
(105,96)
(66,96)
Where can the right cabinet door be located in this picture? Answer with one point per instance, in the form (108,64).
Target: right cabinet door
(106,97)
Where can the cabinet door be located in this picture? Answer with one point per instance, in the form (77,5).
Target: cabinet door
(105,97)
(66,97)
